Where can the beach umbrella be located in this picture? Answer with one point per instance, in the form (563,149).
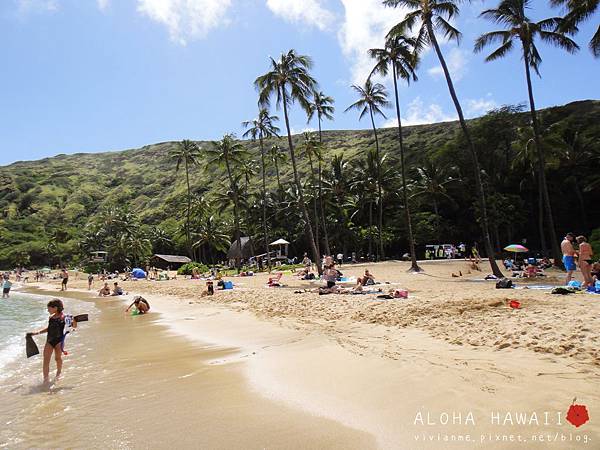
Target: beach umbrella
(516,248)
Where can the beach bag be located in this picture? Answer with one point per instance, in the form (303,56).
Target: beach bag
(228,285)
(504,283)
(563,290)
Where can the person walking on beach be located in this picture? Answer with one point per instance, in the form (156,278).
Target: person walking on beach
(6,285)
(55,331)
(90,281)
(585,260)
(568,252)
(65,279)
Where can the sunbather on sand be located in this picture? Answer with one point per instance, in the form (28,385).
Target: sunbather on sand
(366,280)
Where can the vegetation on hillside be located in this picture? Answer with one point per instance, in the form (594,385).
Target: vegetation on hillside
(58,209)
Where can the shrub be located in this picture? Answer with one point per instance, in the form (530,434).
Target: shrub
(186,269)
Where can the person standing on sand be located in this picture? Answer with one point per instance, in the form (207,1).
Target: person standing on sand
(568,252)
(55,330)
(65,279)
(90,281)
(585,260)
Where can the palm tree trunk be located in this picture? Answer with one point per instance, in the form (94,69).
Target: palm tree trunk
(370,230)
(236,216)
(543,245)
(414,267)
(315,200)
(264,199)
(479,185)
(323,221)
(307,224)
(379,190)
(579,195)
(556,253)
(189,207)
(277,174)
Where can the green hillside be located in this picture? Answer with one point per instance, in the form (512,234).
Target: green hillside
(51,208)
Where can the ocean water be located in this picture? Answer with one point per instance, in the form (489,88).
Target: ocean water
(18,314)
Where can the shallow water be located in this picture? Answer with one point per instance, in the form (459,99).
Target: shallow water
(19,314)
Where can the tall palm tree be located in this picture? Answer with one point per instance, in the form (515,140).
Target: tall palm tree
(371,99)
(289,80)
(430,16)
(398,55)
(277,156)
(511,14)
(187,153)
(312,150)
(322,106)
(260,128)
(579,11)
(230,153)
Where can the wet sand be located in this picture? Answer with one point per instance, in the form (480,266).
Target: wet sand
(128,383)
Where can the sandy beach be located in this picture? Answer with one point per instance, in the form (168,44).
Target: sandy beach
(291,370)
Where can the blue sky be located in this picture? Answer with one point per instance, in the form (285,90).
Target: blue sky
(98,75)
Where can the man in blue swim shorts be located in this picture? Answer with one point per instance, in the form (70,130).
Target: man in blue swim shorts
(568,252)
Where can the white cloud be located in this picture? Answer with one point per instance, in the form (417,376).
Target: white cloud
(36,6)
(366,23)
(186,19)
(103,4)
(310,12)
(457,61)
(418,114)
(479,106)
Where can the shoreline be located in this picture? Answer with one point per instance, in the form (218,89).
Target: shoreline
(373,377)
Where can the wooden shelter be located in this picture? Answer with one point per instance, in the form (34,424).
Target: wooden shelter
(172,261)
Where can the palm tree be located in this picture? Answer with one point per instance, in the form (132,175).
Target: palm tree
(398,55)
(371,99)
(322,106)
(209,234)
(312,149)
(277,156)
(432,15)
(511,14)
(187,152)
(289,80)
(261,128)
(230,153)
(579,11)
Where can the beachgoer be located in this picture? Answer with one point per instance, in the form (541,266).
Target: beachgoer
(117,290)
(330,276)
(585,260)
(340,258)
(65,278)
(367,279)
(104,291)
(141,304)
(55,330)
(90,281)
(568,252)
(595,272)
(6,285)
(306,262)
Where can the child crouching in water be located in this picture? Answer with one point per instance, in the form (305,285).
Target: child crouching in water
(55,333)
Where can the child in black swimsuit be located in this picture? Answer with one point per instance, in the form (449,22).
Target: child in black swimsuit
(55,330)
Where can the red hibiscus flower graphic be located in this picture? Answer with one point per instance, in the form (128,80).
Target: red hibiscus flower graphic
(577,414)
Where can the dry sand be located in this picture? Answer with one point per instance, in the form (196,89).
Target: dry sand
(454,346)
